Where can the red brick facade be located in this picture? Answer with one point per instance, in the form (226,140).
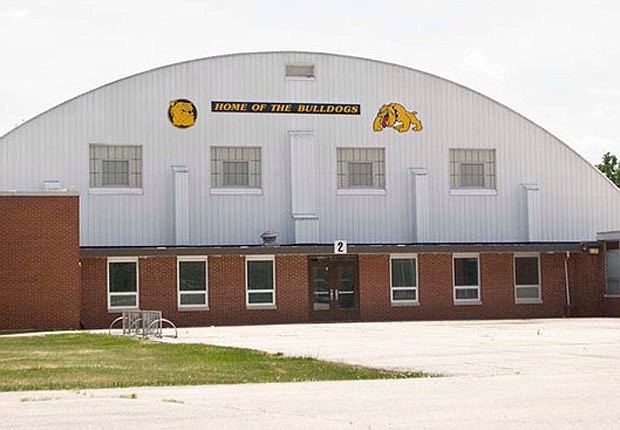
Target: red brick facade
(45,284)
(227,294)
(39,258)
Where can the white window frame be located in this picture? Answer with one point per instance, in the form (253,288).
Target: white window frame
(473,191)
(362,190)
(110,190)
(182,259)
(455,287)
(271,305)
(239,190)
(521,301)
(137,293)
(408,288)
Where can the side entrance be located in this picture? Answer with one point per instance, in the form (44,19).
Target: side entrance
(334,290)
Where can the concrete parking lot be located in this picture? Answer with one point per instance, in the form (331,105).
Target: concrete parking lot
(502,374)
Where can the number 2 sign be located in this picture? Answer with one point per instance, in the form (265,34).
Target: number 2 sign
(340,247)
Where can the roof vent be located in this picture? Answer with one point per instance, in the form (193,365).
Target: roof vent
(52,185)
(300,71)
(269,238)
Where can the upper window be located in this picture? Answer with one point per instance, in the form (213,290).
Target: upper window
(404,280)
(115,166)
(260,281)
(362,168)
(123,283)
(192,282)
(300,71)
(527,279)
(466,278)
(472,169)
(235,167)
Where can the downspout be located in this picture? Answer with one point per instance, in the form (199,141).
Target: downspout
(568,301)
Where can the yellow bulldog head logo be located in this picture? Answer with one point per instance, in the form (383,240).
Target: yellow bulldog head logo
(182,113)
(394,115)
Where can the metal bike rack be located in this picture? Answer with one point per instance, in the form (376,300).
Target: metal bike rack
(143,323)
(156,327)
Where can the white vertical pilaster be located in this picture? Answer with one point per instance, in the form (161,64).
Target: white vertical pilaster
(534,215)
(181,205)
(420,221)
(304,186)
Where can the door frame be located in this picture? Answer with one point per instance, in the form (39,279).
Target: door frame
(334,314)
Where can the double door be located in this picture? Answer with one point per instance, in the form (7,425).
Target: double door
(333,288)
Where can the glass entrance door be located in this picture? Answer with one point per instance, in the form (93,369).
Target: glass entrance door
(333,288)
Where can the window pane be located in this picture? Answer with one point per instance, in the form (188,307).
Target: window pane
(122,277)
(236,173)
(527,292)
(472,168)
(467,294)
(360,174)
(115,166)
(404,295)
(361,167)
(193,298)
(300,70)
(256,298)
(526,270)
(260,275)
(345,279)
(472,175)
(115,173)
(612,287)
(612,267)
(117,301)
(403,272)
(465,271)
(235,166)
(192,276)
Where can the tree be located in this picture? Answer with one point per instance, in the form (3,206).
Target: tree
(610,168)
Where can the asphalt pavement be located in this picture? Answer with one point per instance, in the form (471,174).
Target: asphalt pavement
(546,374)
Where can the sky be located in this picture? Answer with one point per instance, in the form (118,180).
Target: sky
(555,62)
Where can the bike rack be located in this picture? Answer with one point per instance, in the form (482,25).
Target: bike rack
(159,328)
(143,323)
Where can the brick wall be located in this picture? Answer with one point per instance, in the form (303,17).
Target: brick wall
(227,305)
(39,256)
(43,287)
(435,291)
(227,300)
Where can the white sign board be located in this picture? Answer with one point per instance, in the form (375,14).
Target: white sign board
(340,247)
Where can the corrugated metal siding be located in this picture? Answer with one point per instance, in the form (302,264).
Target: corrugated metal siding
(577,200)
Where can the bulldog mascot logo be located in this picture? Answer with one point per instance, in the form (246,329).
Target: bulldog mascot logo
(394,115)
(182,113)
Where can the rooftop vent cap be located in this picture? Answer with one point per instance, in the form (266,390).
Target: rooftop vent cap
(269,238)
(52,185)
(300,71)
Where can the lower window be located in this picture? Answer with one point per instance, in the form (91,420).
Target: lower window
(192,282)
(612,268)
(404,279)
(466,278)
(527,279)
(123,283)
(259,280)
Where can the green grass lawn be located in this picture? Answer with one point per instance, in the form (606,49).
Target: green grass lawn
(77,361)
